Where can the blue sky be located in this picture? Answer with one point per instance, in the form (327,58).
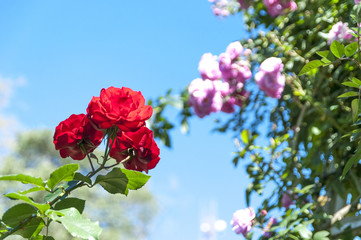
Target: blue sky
(58,54)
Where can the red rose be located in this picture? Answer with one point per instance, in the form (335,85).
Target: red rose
(122,107)
(140,146)
(76,135)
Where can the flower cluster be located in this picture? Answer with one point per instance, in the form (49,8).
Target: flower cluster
(357,1)
(278,7)
(269,78)
(243,220)
(212,94)
(119,114)
(224,7)
(339,32)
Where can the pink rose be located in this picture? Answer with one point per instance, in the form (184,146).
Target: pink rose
(269,78)
(339,32)
(208,67)
(242,221)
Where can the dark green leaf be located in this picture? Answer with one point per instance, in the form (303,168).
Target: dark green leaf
(76,225)
(309,66)
(351,84)
(337,48)
(348,94)
(353,160)
(114,182)
(354,107)
(26,179)
(30,229)
(64,173)
(77,203)
(18,213)
(41,207)
(80,177)
(351,49)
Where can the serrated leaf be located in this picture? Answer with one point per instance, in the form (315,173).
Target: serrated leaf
(26,179)
(136,179)
(337,49)
(42,207)
(348,94)
(114,182)
(351,84)
(309,66)
(353,160)
(80,177)
(76,225)
(77,203)
(354,108)
(355,80)
(351,49)
(321,235)
(64,173)
(18,213)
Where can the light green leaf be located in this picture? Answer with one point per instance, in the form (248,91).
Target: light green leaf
(18,213)
(114,182)
(323,53)
(309,66)
(33,189)
(136,179)
(321,235)
(77,203)
(357,81)
(348,94)
(41,207)
(64,173)
(76,225)
(26,179)
(354,107)
(351,84)
(351,49)
(303,231)
(353,160)
(245,136)
(337,48)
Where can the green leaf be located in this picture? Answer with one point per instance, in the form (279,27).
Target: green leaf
(59,191)
(41,237)
(303,231)
(41,207)
(32,228)
(114,182)
(77,203)
(337,48)
(136,179)
(353,160)
(348,94)
(351,84)
(64,173)
(26,179)
(80,177)
(351,49)
(354,107)
(321,235)
(245,136)
(357,81)
(18,213)
(324,54)
(33,189)
(309,66)
(76,225)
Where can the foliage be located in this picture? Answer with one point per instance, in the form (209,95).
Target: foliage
(313,129)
